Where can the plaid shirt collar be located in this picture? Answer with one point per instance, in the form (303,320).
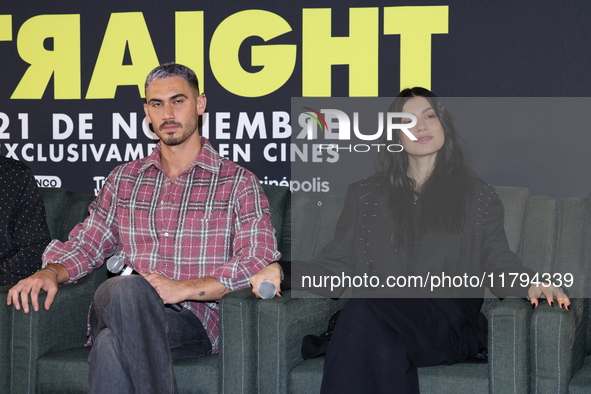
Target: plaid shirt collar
(208,159)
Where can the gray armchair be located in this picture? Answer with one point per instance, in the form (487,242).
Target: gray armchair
(64,210)
(560,340)
(5,343)
(47,347)
(531,226)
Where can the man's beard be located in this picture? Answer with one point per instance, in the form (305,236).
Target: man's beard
(171,140)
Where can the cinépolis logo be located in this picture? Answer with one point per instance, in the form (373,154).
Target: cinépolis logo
(333,130)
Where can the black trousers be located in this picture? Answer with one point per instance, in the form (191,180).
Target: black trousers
(136,339)
(378,344)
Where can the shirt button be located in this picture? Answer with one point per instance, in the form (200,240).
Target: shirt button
(166,234)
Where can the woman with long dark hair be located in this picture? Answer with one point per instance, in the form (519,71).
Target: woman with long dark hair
(431,168)
(422,212)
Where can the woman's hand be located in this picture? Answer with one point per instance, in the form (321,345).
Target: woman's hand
(550,292)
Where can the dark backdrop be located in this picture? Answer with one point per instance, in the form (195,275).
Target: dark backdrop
(488,49)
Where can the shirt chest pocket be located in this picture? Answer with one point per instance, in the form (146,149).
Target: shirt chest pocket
(205,224)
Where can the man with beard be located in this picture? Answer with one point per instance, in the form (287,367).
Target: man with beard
(193,224)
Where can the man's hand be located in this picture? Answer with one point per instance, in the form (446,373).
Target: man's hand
(272,272)
(174,291)
(171,291)
(550,292)
(45,280)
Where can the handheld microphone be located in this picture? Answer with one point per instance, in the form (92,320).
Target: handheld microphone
(266,289)
(116,265)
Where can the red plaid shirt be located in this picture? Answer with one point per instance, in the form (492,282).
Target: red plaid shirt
(213,221)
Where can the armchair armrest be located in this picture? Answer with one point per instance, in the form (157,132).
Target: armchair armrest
(508,345)
(558,345)
(63,327)
(5,340)
(283,323)
(238,342)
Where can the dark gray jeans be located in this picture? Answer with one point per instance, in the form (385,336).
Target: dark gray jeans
(136,338)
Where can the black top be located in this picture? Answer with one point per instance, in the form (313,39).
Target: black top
(363,245)
(23,229)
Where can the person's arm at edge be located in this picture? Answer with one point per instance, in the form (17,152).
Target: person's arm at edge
(30,236)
